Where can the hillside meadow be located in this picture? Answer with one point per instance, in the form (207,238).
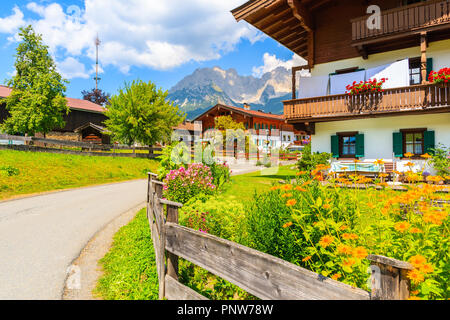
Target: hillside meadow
(24,173)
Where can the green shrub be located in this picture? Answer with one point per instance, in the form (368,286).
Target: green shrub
(310,160)
(441,161)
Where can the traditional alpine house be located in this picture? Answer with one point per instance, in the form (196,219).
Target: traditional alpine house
(349,41)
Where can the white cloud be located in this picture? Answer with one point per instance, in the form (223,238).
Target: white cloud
(72,68)
(155,34)
(12,23)
(271,62)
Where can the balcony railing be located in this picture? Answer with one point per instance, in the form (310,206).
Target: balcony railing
(398,100)
(405,19)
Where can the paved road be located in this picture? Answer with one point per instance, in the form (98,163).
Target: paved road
(41,236)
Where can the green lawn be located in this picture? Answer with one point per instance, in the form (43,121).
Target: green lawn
(33,172)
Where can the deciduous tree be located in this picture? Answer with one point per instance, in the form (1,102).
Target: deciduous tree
(141,113)
(37,103)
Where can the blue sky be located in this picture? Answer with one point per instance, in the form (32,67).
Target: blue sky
(157,40)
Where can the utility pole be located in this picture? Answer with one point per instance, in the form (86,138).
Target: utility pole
(97,79)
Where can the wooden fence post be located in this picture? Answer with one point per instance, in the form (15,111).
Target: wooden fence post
(172,260)
(389,278)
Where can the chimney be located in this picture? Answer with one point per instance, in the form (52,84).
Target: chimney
(246,106)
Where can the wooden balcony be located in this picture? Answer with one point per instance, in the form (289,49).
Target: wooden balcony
(428,98)
(420,17)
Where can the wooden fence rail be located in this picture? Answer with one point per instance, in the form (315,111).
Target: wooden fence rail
(41,145)
(260,274)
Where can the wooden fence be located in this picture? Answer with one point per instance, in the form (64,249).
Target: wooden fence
(91,149)
(260,274)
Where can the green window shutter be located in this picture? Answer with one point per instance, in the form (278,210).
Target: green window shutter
(429,141)
(335,146)
(359,146)
(429,67)
(255,127)
(398,144)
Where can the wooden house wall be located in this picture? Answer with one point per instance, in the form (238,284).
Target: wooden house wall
(333,29)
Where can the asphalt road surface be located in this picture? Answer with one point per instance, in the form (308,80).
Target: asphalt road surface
(41,236)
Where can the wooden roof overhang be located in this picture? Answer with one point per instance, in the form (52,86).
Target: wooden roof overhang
(289,22)
(238,111)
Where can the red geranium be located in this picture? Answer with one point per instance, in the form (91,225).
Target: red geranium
(371,86)
(443,76)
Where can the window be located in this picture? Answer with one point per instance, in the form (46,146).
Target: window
(289,138)
(284,138)
(415,74)
(347,145)
(413,141)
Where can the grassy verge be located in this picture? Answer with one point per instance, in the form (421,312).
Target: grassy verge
(32,172)
(129,267)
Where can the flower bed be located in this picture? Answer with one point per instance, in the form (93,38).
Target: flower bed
(331,230)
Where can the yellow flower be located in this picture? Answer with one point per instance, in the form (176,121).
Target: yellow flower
(414,298)
(287,225)
(426,156)
(360,253)
(379,162)
(336,276)
(306,258)
(402,226)
(417,260)
(409,155)
(416,276)
(291,203)
(325,241)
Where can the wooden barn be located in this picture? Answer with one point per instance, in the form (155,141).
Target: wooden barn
(83,114)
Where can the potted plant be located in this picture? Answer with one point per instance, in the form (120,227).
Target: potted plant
(365,94)
(442,77)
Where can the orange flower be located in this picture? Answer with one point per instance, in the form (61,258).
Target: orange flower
(344,227)
(379,162)
(336,276)
(287,225)
(416,276)
(291,203)
(349,262)
(287,187)
(409,154)
(301,173)
(402,226)
(414,298)
(417,260)
(426,268)
(360,253)
(383,175)
(326,206)
(410,164)
(349,236)
(426,156)
(415,230)
(356,160)
(287,195)
(275,188)
(344,249)
(306,258)
(298,188)
(325,241)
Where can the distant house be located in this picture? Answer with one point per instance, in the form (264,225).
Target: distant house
(266,129)
(186,131)
(402,41)
(82,113)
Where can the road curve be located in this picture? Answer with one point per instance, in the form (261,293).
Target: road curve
(41,236)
